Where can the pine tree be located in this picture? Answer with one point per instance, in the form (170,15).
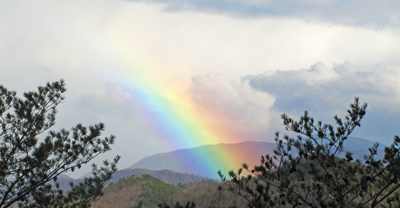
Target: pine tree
(306,171)
(29,161)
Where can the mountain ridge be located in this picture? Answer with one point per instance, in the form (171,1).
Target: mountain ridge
(185,161)
(168,176)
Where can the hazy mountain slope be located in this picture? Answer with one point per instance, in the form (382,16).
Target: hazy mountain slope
(167,176)
(186,161)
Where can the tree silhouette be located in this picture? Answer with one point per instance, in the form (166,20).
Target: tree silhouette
(29,162)
(307,171)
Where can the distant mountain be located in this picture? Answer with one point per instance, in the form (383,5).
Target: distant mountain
(166,176)
(186,160)
(64,176)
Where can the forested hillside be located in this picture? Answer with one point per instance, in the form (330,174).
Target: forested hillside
(128,192)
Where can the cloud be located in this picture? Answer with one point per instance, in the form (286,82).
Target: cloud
(325,92)
(368,13)
(87,43)
(252,107)
(242,109)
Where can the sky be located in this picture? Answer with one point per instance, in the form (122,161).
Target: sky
(171,74)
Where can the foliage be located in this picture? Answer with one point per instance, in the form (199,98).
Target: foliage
(178,205)
(156,191)
(139,205)
(29,162)
(306,170)
(132,192)
(144,191)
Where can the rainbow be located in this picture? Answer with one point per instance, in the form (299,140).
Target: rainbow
(178,120)
(168,112)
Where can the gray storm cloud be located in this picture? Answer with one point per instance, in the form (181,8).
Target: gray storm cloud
(378,14)
(327,91)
